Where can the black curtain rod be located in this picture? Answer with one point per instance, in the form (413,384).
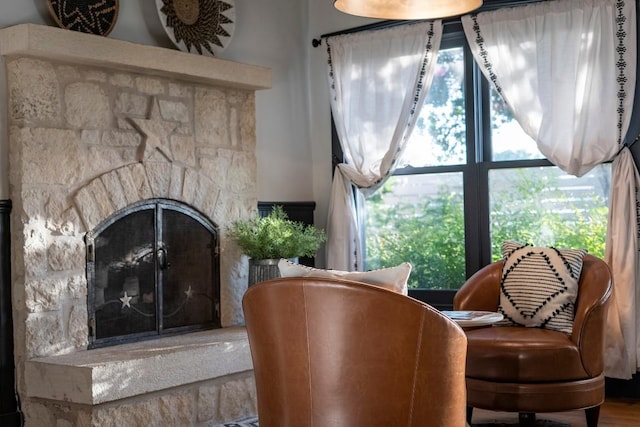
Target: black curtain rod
(487,6)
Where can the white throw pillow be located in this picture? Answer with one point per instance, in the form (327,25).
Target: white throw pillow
(539,286)
(392,278)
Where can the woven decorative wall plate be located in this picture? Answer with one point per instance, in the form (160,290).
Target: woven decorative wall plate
(87,16)
(198,26)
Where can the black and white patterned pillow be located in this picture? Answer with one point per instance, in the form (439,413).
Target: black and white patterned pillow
(539,286)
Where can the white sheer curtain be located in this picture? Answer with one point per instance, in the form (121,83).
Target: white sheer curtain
(567,70)
(378,80)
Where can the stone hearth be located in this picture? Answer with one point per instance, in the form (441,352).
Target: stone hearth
(78,154)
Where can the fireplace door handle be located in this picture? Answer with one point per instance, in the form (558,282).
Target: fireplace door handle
(162,259)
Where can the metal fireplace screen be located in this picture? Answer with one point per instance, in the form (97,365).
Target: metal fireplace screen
(152,269)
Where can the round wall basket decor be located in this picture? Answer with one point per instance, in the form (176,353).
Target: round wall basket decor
(198,26)
(86,16)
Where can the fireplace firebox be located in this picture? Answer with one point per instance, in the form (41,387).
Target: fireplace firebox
(152,269)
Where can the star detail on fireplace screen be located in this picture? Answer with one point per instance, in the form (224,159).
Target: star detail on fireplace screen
(126,300)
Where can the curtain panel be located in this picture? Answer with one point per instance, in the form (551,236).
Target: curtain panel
(378,80)
(567,70)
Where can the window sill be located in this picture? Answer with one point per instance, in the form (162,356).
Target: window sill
(107,374)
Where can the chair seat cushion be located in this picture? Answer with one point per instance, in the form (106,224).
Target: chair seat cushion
(519,354)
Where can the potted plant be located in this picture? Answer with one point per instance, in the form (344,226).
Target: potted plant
(265,240)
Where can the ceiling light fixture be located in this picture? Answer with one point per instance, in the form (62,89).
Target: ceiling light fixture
(407,9)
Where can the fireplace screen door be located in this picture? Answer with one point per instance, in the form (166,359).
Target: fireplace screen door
(152,269)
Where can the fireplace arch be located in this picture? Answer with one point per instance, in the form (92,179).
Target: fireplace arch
(152,270)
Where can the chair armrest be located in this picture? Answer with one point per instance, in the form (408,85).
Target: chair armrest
(590,313)
(481,291)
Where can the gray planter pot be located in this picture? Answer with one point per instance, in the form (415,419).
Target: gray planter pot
(264,269)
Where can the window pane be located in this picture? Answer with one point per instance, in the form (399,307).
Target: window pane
(419,219)
(546,207)
(509,141)
(439,135)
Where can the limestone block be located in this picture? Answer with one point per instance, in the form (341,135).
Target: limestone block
(208,398)
(121,138)
(78,331)
(67,224)
(68,73)
(150,85)
(87,106)
(128,103)
(77,287)
(94,203)
(139,176)
(66,253)
(209,202)
(211,117)
(44,334)
(236,400)
(33,203)
(50,156)
(35,252)
(174,111)
(102,160)
(247,118)
(179,90)
(96,76)
(140,414)
(159,176)
(113,186)
(36,414)
(33,90)
(183,149)
(218,167)
(177,180)
(87,208)
(128,184)
(176,409)
(189,187)
(121,80)
(43,294)
(242,175)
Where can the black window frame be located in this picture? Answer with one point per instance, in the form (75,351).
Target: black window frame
(479,156)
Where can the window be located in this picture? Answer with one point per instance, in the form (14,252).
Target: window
(470,179)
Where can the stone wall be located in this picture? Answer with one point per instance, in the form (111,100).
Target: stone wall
(84,142)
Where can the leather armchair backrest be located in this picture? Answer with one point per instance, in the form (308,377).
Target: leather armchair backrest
(332,353)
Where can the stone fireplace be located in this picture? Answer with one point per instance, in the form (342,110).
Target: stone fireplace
(96,125)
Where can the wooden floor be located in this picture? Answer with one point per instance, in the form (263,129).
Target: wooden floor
(614,413)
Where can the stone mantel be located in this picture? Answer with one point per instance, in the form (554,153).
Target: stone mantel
(58,44)
(113,373)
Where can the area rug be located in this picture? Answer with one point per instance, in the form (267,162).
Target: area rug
(245,422)
(253,422)
(539,423)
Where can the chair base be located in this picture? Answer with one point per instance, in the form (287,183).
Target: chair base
(528,419)
(529,399)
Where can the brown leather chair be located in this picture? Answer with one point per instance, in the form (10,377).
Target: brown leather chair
(530,370)
(337,353)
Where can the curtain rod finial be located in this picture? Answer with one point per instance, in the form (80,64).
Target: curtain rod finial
(316,42)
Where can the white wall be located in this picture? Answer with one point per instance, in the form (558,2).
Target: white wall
(293,118)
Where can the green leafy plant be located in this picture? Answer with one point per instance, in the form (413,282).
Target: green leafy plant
(276,236)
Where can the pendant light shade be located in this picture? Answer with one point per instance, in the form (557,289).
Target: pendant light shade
(407,9)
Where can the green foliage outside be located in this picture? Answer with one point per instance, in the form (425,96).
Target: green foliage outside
(531,205)
(430,233)
(276,236)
